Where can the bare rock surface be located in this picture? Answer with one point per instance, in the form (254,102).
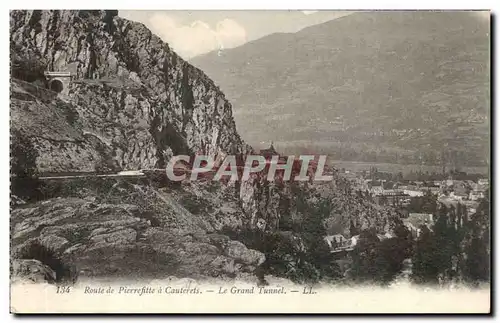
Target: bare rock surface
(31,270)
(133,101)
(116,240)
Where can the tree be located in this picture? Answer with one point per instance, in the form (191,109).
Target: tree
(383,200)
(23,170)
(477,263)
(320,257)
(477,250)
(443,237)
(439,255)
(353,230)
(427,204)
(390,254)
(364,257)
(22,155)
(424,270)
(26,65)
(313,233)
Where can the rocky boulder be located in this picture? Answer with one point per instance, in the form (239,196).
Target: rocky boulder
(31,270)
(119,240)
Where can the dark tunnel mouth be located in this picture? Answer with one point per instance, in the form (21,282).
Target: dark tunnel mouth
(56,86)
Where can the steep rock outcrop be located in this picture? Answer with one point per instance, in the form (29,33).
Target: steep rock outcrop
(131,94)
(31,270)
(123,240)
(283,205)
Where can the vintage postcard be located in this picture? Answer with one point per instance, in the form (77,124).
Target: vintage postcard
(249,161)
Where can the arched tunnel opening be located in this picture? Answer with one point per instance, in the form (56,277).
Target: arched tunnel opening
(56,86)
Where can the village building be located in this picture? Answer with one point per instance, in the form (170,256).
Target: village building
(458,196)
(483,181)
(413,193)
(382,237)
(434,190)
(337,241)
(476,195)
(415,221)
(391,196)
(480,186)
(377,190)
(354,240)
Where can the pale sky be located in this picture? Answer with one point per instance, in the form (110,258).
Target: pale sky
(191,33)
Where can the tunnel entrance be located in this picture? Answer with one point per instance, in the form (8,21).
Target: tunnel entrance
(58,82)
(56,86)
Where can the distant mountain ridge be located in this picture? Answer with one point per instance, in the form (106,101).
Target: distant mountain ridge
(406,87)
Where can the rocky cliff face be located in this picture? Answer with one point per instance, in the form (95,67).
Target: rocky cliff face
(132,232)
(133,103)
(131,97)
(285,206)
